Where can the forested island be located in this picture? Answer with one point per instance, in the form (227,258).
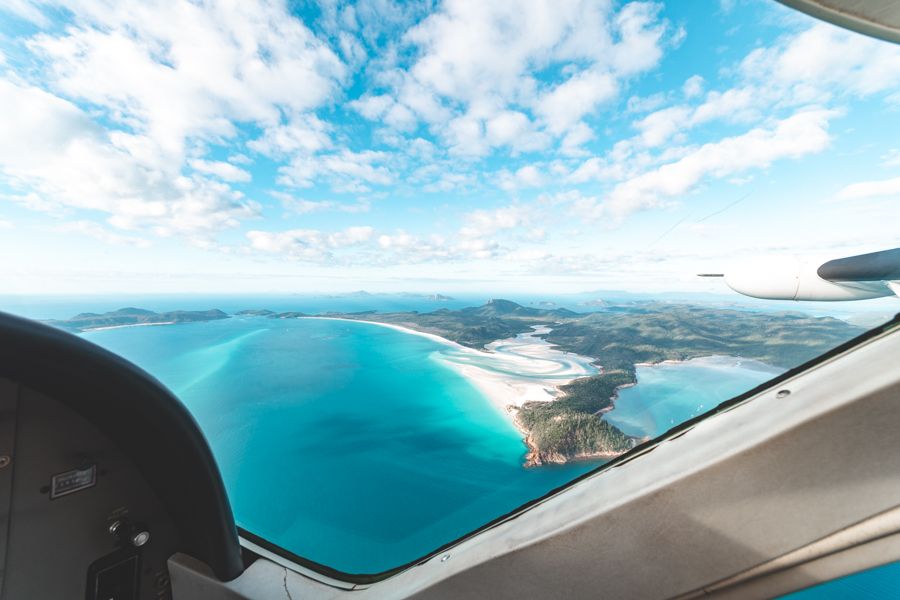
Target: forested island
(619,337)
(125,317)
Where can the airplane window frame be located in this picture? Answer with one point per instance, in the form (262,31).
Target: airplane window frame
(637,451)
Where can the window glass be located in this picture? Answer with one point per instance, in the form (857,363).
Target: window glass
(414,267)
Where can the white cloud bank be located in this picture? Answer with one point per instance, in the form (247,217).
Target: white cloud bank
(871,189)
(473,80)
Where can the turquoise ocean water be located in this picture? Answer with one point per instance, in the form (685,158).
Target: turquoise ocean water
(354,445)
(343,442)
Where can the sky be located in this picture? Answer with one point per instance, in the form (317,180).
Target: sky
(457,146)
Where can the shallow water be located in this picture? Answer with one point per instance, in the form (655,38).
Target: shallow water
(347,443)
(670,393)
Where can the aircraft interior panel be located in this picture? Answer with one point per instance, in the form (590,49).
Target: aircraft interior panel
(79,510)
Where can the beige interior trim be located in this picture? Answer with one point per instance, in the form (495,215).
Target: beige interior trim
(866,531)
(876,18)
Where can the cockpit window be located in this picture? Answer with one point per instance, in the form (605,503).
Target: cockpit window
(413,266)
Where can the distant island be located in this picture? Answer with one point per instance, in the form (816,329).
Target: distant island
(432,297)
(127,317)
(364,294)
(616,336)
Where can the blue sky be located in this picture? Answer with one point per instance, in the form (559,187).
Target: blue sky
(436,146)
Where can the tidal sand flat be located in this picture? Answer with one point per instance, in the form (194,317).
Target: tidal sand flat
(508,372)
(517,370)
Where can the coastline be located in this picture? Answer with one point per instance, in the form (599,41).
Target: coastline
(720,361)
(431,336)
(524,381)
(533,458)
(507,389)
(107,327)
(525,369)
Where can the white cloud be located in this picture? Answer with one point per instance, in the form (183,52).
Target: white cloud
(566,104)
(222,170)
(304,134)
(477,239)
(581,206)
(797,73)
(638,104)
(472,77)
(640,34)
(657,127)
(809,67)
(351,236)
(65,160)
(825,55)
(98,232)
(516,130)
(597,169)
(178,70)
(25,10)
(347,170)
(524,177)
(891,158)
(800,134)
(4,224)
(693,86)
(477,248)
(734,105)
(870,189)
(295,243)
(482,223)
(302,206)
(402,247)
(400,239)
(308,244)
(132,119)
(447,182)
(163,82)
(384,108)
(578,135)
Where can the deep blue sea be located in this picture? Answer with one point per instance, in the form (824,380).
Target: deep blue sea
(358,446)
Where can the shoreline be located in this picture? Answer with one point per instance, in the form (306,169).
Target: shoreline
(714,361)
(108,327)
(431,336)
(533,456)
(505,391)
(511,372)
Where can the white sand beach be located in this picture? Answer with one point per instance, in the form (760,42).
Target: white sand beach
(106,327)
(508,372)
